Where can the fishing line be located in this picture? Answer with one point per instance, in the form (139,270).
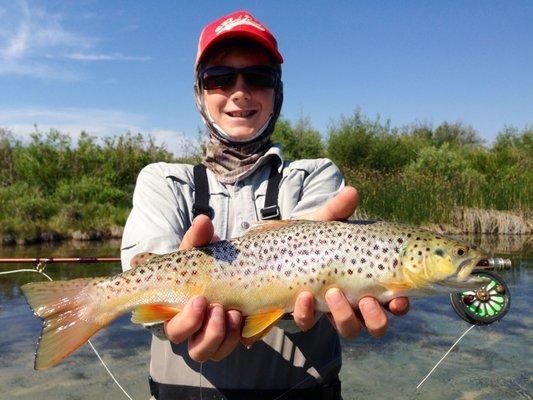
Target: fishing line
(39,270)
(26,270)
(201,373)
(444,356)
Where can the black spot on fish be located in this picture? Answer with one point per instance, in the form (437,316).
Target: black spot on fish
(439,252)
(369,275)
(350,272)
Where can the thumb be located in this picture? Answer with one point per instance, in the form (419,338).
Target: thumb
(199,234)
(340,207)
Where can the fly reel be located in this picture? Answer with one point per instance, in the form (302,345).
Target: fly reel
(485,305)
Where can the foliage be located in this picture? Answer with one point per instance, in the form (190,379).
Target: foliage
(358,142)
(413,174)
(300,141)
(51,185)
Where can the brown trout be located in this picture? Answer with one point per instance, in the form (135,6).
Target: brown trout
(260,274)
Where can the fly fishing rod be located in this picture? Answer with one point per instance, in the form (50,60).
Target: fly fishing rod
(52,260)
(478,307)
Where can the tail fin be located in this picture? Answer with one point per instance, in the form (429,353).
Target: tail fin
(68,318)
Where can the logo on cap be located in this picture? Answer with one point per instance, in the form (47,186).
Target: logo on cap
(231,23)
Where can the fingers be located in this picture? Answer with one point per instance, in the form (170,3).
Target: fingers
(199,234)
(212,333)
(205,343)
(342,206)
(398,306)
(188,321)
(342,315)
(370,314)
(376,320)
(304,311)
(233,334)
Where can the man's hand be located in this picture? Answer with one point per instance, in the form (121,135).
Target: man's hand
(212,332)
(346,320)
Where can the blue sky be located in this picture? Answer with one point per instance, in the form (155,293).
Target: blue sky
(112,66)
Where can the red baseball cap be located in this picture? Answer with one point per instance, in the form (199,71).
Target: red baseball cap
(237,24)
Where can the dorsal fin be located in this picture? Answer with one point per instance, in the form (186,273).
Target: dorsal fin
(140,258)
(262,226)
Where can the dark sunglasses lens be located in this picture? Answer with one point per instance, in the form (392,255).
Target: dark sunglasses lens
(260,77)
(225,77)
(218,78)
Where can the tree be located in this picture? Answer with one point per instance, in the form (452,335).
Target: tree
(300,141)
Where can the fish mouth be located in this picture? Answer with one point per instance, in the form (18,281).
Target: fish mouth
(463,280)
(466,267)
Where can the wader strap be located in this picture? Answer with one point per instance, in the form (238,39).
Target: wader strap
(162,391)
(270,209)
(201,192)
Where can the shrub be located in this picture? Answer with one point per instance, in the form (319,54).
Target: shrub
(300,141)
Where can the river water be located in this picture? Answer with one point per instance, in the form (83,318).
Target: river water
(493,362)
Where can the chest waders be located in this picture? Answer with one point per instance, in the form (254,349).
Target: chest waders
(270,211)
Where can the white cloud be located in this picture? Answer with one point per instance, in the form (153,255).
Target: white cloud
(105,57)
(33,42)
(97,122)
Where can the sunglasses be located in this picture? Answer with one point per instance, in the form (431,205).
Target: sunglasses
(256,76)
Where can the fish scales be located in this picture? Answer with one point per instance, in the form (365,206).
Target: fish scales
(259,274)
(305,255)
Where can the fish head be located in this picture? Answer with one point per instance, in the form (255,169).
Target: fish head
(432,260)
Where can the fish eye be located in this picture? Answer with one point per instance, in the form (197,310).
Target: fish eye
(460,251)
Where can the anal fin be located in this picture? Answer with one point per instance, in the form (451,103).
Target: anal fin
(150,313)
(260,324)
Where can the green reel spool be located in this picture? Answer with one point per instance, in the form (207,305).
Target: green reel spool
(486,304)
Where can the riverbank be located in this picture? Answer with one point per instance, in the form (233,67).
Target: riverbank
(52,189)
(465,221)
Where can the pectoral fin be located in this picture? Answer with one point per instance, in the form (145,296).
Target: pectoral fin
(261,323)
(151,313)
